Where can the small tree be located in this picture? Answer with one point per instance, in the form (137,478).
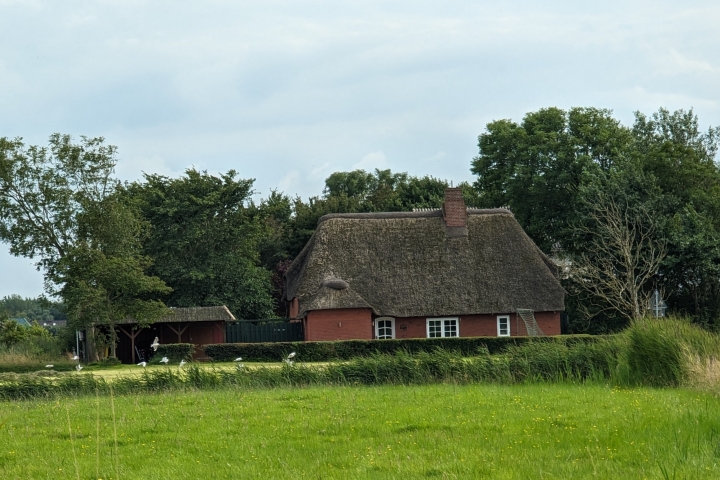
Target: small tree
(12,332)
(102,278)
(622,257)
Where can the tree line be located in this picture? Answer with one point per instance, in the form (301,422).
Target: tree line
(623,210)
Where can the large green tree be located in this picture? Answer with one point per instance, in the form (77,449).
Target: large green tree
(554,169)
(537,166)
(59,205)
(205,240)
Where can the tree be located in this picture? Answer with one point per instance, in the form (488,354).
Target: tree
(11,333)
(691,269)
(205,241)
(537,167)
(670,147)
(33,309)
(621,260)
(103,278)
(44,190)
(384,191)
(59,205)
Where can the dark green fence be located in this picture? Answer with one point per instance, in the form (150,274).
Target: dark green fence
(259,331)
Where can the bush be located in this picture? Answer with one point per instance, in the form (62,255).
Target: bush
(175,352)
(110,362)
(347,349)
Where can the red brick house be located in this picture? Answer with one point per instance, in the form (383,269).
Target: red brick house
(448,272)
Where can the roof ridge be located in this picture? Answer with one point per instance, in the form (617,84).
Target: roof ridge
(422,213)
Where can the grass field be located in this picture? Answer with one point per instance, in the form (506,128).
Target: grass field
(444,431)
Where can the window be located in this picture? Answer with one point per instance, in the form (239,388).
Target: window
(442,327)
(503,325)
(384,328)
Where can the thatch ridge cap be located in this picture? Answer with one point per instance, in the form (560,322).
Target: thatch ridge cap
(420,214)
(216,313)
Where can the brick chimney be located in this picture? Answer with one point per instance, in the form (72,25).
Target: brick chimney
(453,208)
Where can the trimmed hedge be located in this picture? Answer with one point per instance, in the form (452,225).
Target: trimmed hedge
(347,349)
(175,352)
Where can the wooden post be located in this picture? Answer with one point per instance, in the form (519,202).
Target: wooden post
(179,331)
(132,335)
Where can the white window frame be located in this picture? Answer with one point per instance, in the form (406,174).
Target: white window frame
(443,333)
(377,326)
(503,317)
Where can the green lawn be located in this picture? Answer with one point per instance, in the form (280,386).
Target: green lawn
(443,431)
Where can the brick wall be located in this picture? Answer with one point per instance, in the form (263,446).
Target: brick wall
(351,324)
(479,325)
(340,324)
(549,322)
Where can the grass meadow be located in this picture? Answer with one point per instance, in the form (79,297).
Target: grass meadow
(532,430)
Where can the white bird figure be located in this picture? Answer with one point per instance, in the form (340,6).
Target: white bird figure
(49,366)
(142,364)
(238,359)
(164,360)
(76,357)
(291,356)
(155,344)
(182,362)
(78,367)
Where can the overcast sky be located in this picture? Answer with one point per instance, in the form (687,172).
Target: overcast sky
(287,92)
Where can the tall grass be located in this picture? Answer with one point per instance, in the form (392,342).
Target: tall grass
(665,352)
(32,354)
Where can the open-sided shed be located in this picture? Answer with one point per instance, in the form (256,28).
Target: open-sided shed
(197,325)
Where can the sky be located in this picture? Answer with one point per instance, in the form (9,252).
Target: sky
(287,92)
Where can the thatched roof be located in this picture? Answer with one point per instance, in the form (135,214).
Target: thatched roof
(194,314)
(406,264)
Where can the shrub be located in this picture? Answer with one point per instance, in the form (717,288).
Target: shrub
(175,352)
(110,362)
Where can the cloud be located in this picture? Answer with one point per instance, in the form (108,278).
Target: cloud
(132,168)
(676,63)
(79,20)
(289,181)
(319,173)
(371,161)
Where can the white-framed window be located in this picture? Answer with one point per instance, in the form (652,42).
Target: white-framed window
(384,328)
(443,327)
(503,325)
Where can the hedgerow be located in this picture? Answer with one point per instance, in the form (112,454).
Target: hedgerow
(649,353)
(347,349)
